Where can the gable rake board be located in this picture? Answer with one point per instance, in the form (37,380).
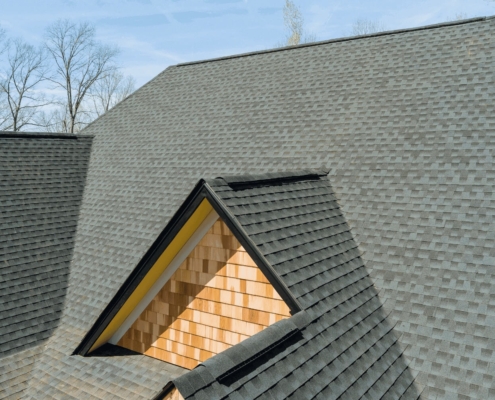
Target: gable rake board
(217,298)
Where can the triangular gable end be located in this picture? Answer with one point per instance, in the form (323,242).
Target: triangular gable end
(202,287)
(215,299)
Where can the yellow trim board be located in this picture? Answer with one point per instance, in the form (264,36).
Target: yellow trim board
(185,233)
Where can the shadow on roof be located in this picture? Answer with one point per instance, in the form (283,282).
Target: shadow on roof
(41,186)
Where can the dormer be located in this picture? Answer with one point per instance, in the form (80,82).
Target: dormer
(203,287)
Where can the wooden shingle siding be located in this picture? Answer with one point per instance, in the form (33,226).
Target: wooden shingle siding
(217,298)
(173,395)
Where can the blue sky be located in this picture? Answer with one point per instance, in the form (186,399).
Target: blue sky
(154,34)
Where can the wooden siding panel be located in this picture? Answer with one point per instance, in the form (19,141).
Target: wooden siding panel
(173,395)
(217,298)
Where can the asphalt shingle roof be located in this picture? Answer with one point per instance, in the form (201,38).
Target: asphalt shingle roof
(41,185)
(405,123)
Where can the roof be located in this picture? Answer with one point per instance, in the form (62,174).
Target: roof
(403,122)
(41,184)
(338,340)
(340,343)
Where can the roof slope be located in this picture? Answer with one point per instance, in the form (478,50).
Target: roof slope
(405,123)
(41,185)
(341,344)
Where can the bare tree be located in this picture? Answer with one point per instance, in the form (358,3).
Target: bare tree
(80,61)
(57,119)
(110,90)
(4,112)
(25,69)
(2,40)
(458,17)
(366,27)
(294,23)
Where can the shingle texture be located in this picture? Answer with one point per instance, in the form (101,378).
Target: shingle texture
(15,371)
(405,124)
(41,186)
(345,348)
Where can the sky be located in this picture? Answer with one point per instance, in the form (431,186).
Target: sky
(154,34)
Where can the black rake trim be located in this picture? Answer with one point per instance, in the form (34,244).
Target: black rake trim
(145,264)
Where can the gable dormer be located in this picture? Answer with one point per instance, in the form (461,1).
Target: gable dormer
(203,287)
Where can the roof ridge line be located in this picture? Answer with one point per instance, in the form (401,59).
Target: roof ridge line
(338,40)
(41,135)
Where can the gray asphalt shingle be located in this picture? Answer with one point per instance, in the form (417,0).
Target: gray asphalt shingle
(41,185)
(404,121)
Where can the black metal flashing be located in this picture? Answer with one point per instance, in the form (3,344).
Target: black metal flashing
(246,181)
(269,342)
(41,135)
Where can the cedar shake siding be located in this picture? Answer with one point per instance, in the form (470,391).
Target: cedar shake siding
(217,298)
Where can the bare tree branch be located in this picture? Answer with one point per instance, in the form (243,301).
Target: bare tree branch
(4,110)
(25,69)
(80,61)
(458,17)
(293,21)
(3,41)
(366,27)
(110,90)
